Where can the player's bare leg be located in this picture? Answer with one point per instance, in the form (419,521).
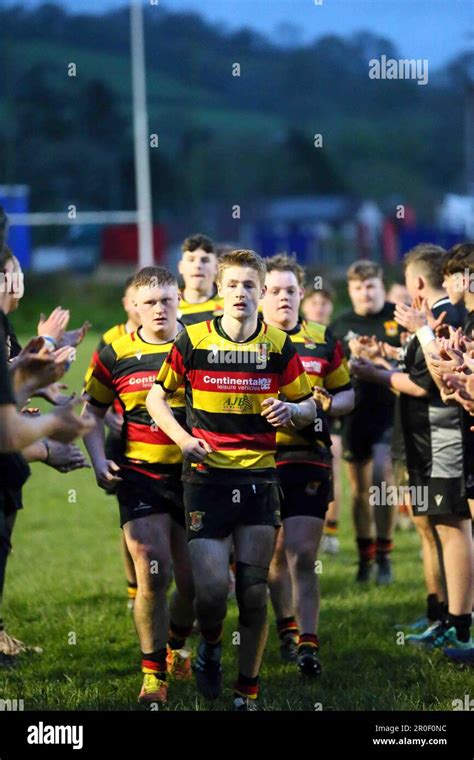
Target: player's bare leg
(254,546)
(129,572)
(181,606)
(302,539)
(210,564)
(281,595)
(385,515)
(148,540)
(330,540)
(360,480)
(436,595)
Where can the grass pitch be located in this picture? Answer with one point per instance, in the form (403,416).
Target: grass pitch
(66,592)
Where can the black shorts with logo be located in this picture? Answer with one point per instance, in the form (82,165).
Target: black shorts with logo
(214,509)
(437,496)
(307,490)
(141,495)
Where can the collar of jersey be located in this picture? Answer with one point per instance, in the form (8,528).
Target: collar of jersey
(217,326)
(146,343)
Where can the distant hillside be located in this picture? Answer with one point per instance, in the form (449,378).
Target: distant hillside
(220,136)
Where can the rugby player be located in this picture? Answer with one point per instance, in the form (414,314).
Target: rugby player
(198,268)
(114,417)
(304,466)
(367,430)
(318,306)
(147,479)
(234,367)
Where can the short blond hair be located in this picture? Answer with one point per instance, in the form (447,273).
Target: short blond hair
(241,258)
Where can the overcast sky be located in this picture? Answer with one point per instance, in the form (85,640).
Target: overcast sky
(433,29)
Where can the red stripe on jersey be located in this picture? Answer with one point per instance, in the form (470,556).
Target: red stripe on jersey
(293,369)
(144,471)
(136,432)
(175,360)
(270,383)
(135,382)
(102,374)
(221,441)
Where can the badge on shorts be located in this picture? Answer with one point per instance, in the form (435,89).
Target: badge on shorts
(312,488)
(391,328)
(196,520)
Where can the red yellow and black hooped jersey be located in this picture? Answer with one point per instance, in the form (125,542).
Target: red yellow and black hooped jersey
(226,384)
(323,360)
(107,338)
(126,369)
(191,313)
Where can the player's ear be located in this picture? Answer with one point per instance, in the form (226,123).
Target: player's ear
(263,291)
(180,266)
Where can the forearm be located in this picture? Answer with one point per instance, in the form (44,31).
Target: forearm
(36,452)
(303,414)
(18,431)
(342,403)
(160,412)
(94,441)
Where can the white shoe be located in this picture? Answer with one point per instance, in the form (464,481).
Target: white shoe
(330,544)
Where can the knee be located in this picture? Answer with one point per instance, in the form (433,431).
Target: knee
(251,592)
(303,557)
(154,572)
(212,593)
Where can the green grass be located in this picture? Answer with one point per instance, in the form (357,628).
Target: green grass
(65,576)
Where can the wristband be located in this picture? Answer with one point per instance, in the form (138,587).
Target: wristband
(425,335)
(50,342)
(46,461)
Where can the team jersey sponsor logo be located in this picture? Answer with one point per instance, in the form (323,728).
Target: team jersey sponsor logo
(147,380)
(313,366)
(195,520)
(230,383)
(391,328)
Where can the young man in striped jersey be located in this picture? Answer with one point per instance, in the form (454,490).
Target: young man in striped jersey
(304,466)
(198,268)
(235,367)
(147,479)
(114,417)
